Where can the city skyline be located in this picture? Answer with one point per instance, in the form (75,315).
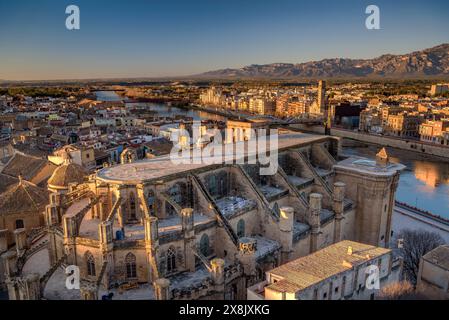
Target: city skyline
(150,40)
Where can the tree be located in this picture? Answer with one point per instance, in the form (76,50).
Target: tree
(416,243)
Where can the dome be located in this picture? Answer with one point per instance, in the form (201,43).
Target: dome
(65,175)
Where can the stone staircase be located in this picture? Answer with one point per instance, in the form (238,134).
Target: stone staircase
(224,222)
(316,176)
(263,200)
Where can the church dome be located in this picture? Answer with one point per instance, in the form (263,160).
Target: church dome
(65,175)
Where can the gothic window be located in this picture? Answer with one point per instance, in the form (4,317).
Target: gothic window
(241,228)
(132,207)
(130,261)
(212,185)
(221,186)
(150,200)
(175,193)
(90,263)
(263,180)
(204,245)
(171,259)
(169,209)
(19,224)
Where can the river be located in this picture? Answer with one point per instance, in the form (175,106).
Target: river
(423,184)
(160,109)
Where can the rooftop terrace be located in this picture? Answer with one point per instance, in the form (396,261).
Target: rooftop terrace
(371,167)
(157,168)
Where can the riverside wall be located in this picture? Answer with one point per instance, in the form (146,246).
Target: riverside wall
(404,144)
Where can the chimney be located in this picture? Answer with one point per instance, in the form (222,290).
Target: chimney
(349,251)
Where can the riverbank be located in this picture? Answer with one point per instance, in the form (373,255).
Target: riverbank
(224,113)
(416,146)
(407,217)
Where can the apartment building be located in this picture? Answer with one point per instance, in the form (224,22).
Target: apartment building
(404,125)
(432,131)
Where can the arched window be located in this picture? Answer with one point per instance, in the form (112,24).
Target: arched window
(150,200)
(171,259)
(241,228)
(213,185)
(19,224)
(90,264)
(204,245)
(132,206)
(130,261)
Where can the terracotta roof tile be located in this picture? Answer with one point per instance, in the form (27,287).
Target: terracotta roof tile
(332,260)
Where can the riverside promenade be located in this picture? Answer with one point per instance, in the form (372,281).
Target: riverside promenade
(409,217)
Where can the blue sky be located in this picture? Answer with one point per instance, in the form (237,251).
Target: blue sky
(156,38)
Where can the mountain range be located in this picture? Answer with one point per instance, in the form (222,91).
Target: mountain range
(432,62)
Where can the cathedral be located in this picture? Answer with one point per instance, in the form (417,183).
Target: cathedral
(150,229)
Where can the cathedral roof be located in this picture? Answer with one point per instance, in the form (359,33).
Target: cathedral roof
(67,174)
(23,197)
(6,182)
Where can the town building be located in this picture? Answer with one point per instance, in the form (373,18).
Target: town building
(321,101)
(81,155)
(404,125)
(438,89)
(433,277)
(337,272)
(262,106)
(432,131)
(289,105)
(212,96)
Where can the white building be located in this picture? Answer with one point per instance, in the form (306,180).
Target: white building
(439,88)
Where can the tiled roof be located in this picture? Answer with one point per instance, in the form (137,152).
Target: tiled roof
(66,174)
(24,165)
(23,197)
(332,260)
(6,181)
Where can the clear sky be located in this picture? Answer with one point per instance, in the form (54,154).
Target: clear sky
(157,38)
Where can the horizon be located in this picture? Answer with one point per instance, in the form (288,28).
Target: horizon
(141,40)
(199,76)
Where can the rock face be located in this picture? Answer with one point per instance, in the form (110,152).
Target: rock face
(425,63)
